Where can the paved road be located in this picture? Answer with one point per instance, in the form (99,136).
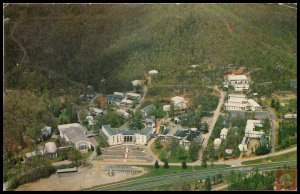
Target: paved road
(216,114)
(238,162)
(145,90)
(144,183)
(274,125)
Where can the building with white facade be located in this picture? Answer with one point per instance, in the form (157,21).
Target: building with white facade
(239,82)
(117,137)
(126,102)
(217,143)
(119,95)
(179,103)
(51,149)
(223,133)
(90,120)
(250,130)
(136,83)
(95,111)
(290,116)
(166,108)
(254,106)
(153,72)
(243,147)
(239,102)
(74,133)
(123,113)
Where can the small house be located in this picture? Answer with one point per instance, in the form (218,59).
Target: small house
(146,111)
(153,72)
(46,131)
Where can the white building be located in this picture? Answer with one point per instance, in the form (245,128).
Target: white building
(153,72)
(51,149)
(254,106)
(290,116)
(136,83)
(237,79)
(223,133)
(123,113)
(228,151)
(95,111)
(250,129)
(133,96)
(117,137)
(237,97)
(217,143)
(243,146)
(241,103)
(179,103)
(239,82)
(126,102)
(90,119)
(75,134)
(166,108)
(119,95)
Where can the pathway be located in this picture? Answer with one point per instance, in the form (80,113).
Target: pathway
(274,126)
(216,114)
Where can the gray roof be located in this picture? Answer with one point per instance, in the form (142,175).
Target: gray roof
(112,131)
(75,134)
(148,108)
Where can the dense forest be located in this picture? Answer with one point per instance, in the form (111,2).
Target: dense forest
(53,51)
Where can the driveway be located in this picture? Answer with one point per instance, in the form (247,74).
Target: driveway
(274,125)
(215,117)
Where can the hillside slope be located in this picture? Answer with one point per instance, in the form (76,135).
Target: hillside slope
(86,43)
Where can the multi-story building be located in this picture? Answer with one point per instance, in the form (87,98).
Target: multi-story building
(117,137)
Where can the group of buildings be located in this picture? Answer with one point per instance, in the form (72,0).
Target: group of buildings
(184,136)
(251,131)
(240,102)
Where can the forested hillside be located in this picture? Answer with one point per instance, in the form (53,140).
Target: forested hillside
(70,46)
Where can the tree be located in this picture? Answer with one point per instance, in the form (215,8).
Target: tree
(74,155)
(204,159)
(166,164)
(194,151)
(207,184)
(273,103)
(183,165)
(181,154)
(172,110)
(158,144)
(92,148)
(156,165)
(98,150)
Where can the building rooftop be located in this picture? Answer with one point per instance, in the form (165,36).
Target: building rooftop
(50,147)
(253,103)
(237,77)
(75,132)
(148,108)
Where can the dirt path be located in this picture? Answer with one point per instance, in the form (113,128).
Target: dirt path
(216,114)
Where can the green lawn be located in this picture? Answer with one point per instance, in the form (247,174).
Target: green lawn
(170,159)
(283,157)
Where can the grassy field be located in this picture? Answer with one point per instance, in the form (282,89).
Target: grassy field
(158,152)
(283,157)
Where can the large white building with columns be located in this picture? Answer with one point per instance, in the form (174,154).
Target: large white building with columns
(117,137)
